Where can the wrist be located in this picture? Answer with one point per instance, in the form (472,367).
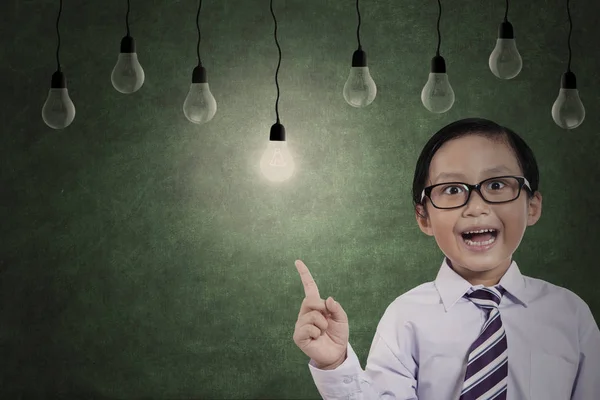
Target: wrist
(335,364)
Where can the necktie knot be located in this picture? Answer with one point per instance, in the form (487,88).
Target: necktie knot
(487,297)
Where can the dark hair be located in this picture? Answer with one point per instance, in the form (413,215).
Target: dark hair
(480,127)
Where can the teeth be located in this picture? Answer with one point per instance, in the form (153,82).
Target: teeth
(481,231)
(472,243)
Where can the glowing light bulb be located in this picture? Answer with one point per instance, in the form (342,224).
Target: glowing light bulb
(505,61)
(58,111)
(127,75)
(437,95)
(360,89)
(568,111)
(200,105)
(276,163)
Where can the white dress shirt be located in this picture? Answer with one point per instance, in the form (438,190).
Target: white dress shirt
(421,344)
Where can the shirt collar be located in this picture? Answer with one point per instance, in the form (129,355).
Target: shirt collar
(451,286)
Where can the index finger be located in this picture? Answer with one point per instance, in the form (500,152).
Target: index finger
(310,287)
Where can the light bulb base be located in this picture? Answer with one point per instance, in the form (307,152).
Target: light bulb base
(277,133)
(59,81)
(199,75)
(127,44)
(505,31)
(359,58)
(438,65)
(568,81)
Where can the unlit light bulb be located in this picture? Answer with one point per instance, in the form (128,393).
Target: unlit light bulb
(437,95)
(127,75)
(505,61)
(276,163)
(200,105)
(58,111)
(568,111)
(360,89)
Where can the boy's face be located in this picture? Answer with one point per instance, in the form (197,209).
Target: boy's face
(470,156)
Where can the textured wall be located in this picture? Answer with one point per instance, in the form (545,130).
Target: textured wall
(142,256)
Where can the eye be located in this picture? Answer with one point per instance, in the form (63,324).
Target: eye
(445,189)
(496,183)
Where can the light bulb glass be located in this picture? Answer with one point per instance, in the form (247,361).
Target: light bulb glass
(360,89)
(277,164)
(568,111)
(437,94)
(127,75)
(505,61)
(200,105)
(58,111)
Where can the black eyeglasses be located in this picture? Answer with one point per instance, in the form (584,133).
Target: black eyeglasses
(500,189)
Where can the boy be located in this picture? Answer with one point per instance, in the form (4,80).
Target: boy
(481,330)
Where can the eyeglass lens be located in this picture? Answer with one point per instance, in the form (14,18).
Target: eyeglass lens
(493,190)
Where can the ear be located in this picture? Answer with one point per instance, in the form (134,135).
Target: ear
(534,209)
(423,220)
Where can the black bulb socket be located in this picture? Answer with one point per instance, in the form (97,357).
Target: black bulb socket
(568,81)
(58,80)
(359,58)
(127,44)
(199,74)
(438,65)
(505,31)
(277,133)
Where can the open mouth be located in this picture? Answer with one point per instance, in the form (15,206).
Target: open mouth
(480,238)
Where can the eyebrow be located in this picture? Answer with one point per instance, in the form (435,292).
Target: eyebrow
(445,175)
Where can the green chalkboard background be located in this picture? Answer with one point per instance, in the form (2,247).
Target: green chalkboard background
(142,256)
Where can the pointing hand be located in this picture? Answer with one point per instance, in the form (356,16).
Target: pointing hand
(322,329)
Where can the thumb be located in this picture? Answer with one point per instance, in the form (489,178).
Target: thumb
(336,310)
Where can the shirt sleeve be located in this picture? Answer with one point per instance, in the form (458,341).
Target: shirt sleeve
(389,375)
(587,381)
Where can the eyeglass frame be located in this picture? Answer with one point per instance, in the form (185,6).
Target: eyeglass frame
(521,179)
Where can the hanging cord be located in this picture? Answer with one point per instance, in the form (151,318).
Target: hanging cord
(198,27)
(278,64)
(58,34)
(127,18)
(506,12)
(437,53)
(358,28)
(569,41)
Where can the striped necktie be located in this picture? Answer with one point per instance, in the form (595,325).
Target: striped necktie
(487,369)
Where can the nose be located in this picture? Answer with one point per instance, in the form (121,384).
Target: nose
(476,201)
